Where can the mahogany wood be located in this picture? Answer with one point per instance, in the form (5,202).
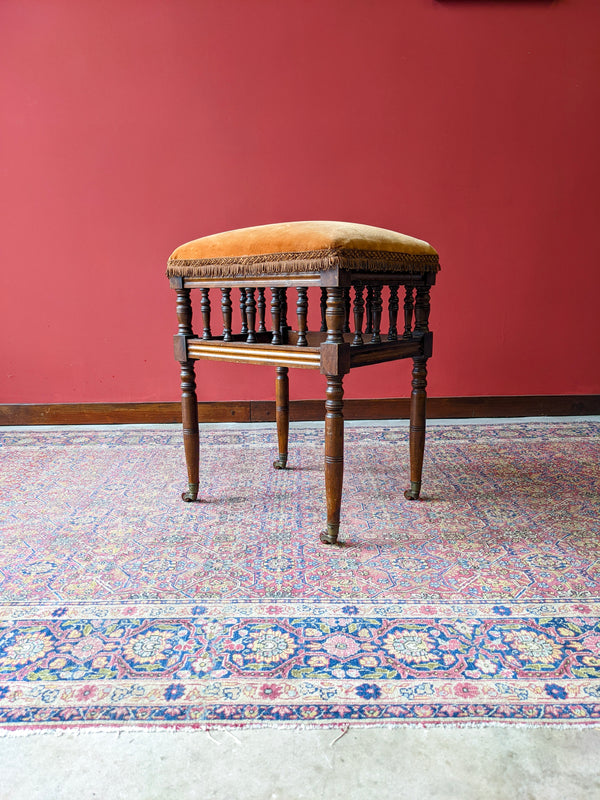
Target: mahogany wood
(189,401)
(418,401)
(334,456)
(346,327)
(205,310)
(408,311)
(283,325)
(259,353)
(262,305)
(323,310)
(376,312)
(275,315)
(244,318)
(302,311)
(422,306)
(226,309)
(385,351)
(266,281)
(418,397)
(282,416)
(251,315)
(393,313)
(369,311)
(189,415)
(359,309)
(334,315)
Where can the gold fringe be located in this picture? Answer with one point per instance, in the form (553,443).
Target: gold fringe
(310,261)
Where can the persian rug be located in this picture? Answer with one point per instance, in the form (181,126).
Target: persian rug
(120,605)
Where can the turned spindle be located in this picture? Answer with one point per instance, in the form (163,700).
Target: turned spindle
(302,311)
(393,313)
(244,330)
(205,310)
(422,309)
(250,315)
(408,311)
(369,311)
(377,306)
(184,313)
(323,310)
(275,316)
(335,315)
(346,327)
(283,325)
(359,310)
(226,310)
(261,305)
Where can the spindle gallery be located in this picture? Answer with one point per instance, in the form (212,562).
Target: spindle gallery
(352,269)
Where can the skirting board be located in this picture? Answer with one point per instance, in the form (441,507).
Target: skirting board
(300,410)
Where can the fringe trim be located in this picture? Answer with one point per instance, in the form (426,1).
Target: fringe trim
(118,729)
(309,261)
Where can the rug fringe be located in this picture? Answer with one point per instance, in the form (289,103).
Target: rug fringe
(211,727)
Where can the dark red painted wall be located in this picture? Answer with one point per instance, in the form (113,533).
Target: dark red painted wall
(130,126)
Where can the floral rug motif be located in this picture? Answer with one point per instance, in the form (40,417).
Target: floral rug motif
(120,605)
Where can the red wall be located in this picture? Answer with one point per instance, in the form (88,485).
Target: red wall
(130,126)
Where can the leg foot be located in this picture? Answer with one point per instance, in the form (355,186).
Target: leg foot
(330,535)
(414,491)
(281,461)
(192,493)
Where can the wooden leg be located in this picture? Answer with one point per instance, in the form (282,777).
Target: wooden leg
(418,402)
(189,402)
(282,415)
(334,456)
(189,413)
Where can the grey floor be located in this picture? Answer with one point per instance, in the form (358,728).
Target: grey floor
(495,763)
(491,763)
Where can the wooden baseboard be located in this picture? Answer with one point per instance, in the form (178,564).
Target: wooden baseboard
(300,410)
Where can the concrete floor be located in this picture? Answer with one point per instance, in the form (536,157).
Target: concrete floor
(493,763)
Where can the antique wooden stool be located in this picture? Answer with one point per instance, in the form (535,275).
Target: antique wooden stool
(336,257)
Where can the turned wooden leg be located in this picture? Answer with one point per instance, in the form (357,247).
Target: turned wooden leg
(334,456)
(333,367)
(282,415)
(189,401)
(191,442)
(418,402)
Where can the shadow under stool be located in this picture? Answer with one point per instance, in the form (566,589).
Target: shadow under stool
(355,270)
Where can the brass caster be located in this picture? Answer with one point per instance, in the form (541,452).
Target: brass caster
(330,535)
(414,491)
(281,461)
(192,493)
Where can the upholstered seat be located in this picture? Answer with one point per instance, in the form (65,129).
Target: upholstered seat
(336,257)
(302,247)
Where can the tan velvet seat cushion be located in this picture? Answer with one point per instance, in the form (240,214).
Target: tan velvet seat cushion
(292,247)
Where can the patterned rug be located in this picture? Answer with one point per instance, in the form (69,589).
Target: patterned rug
(120,605)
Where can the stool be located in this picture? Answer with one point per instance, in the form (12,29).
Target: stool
(335,257)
